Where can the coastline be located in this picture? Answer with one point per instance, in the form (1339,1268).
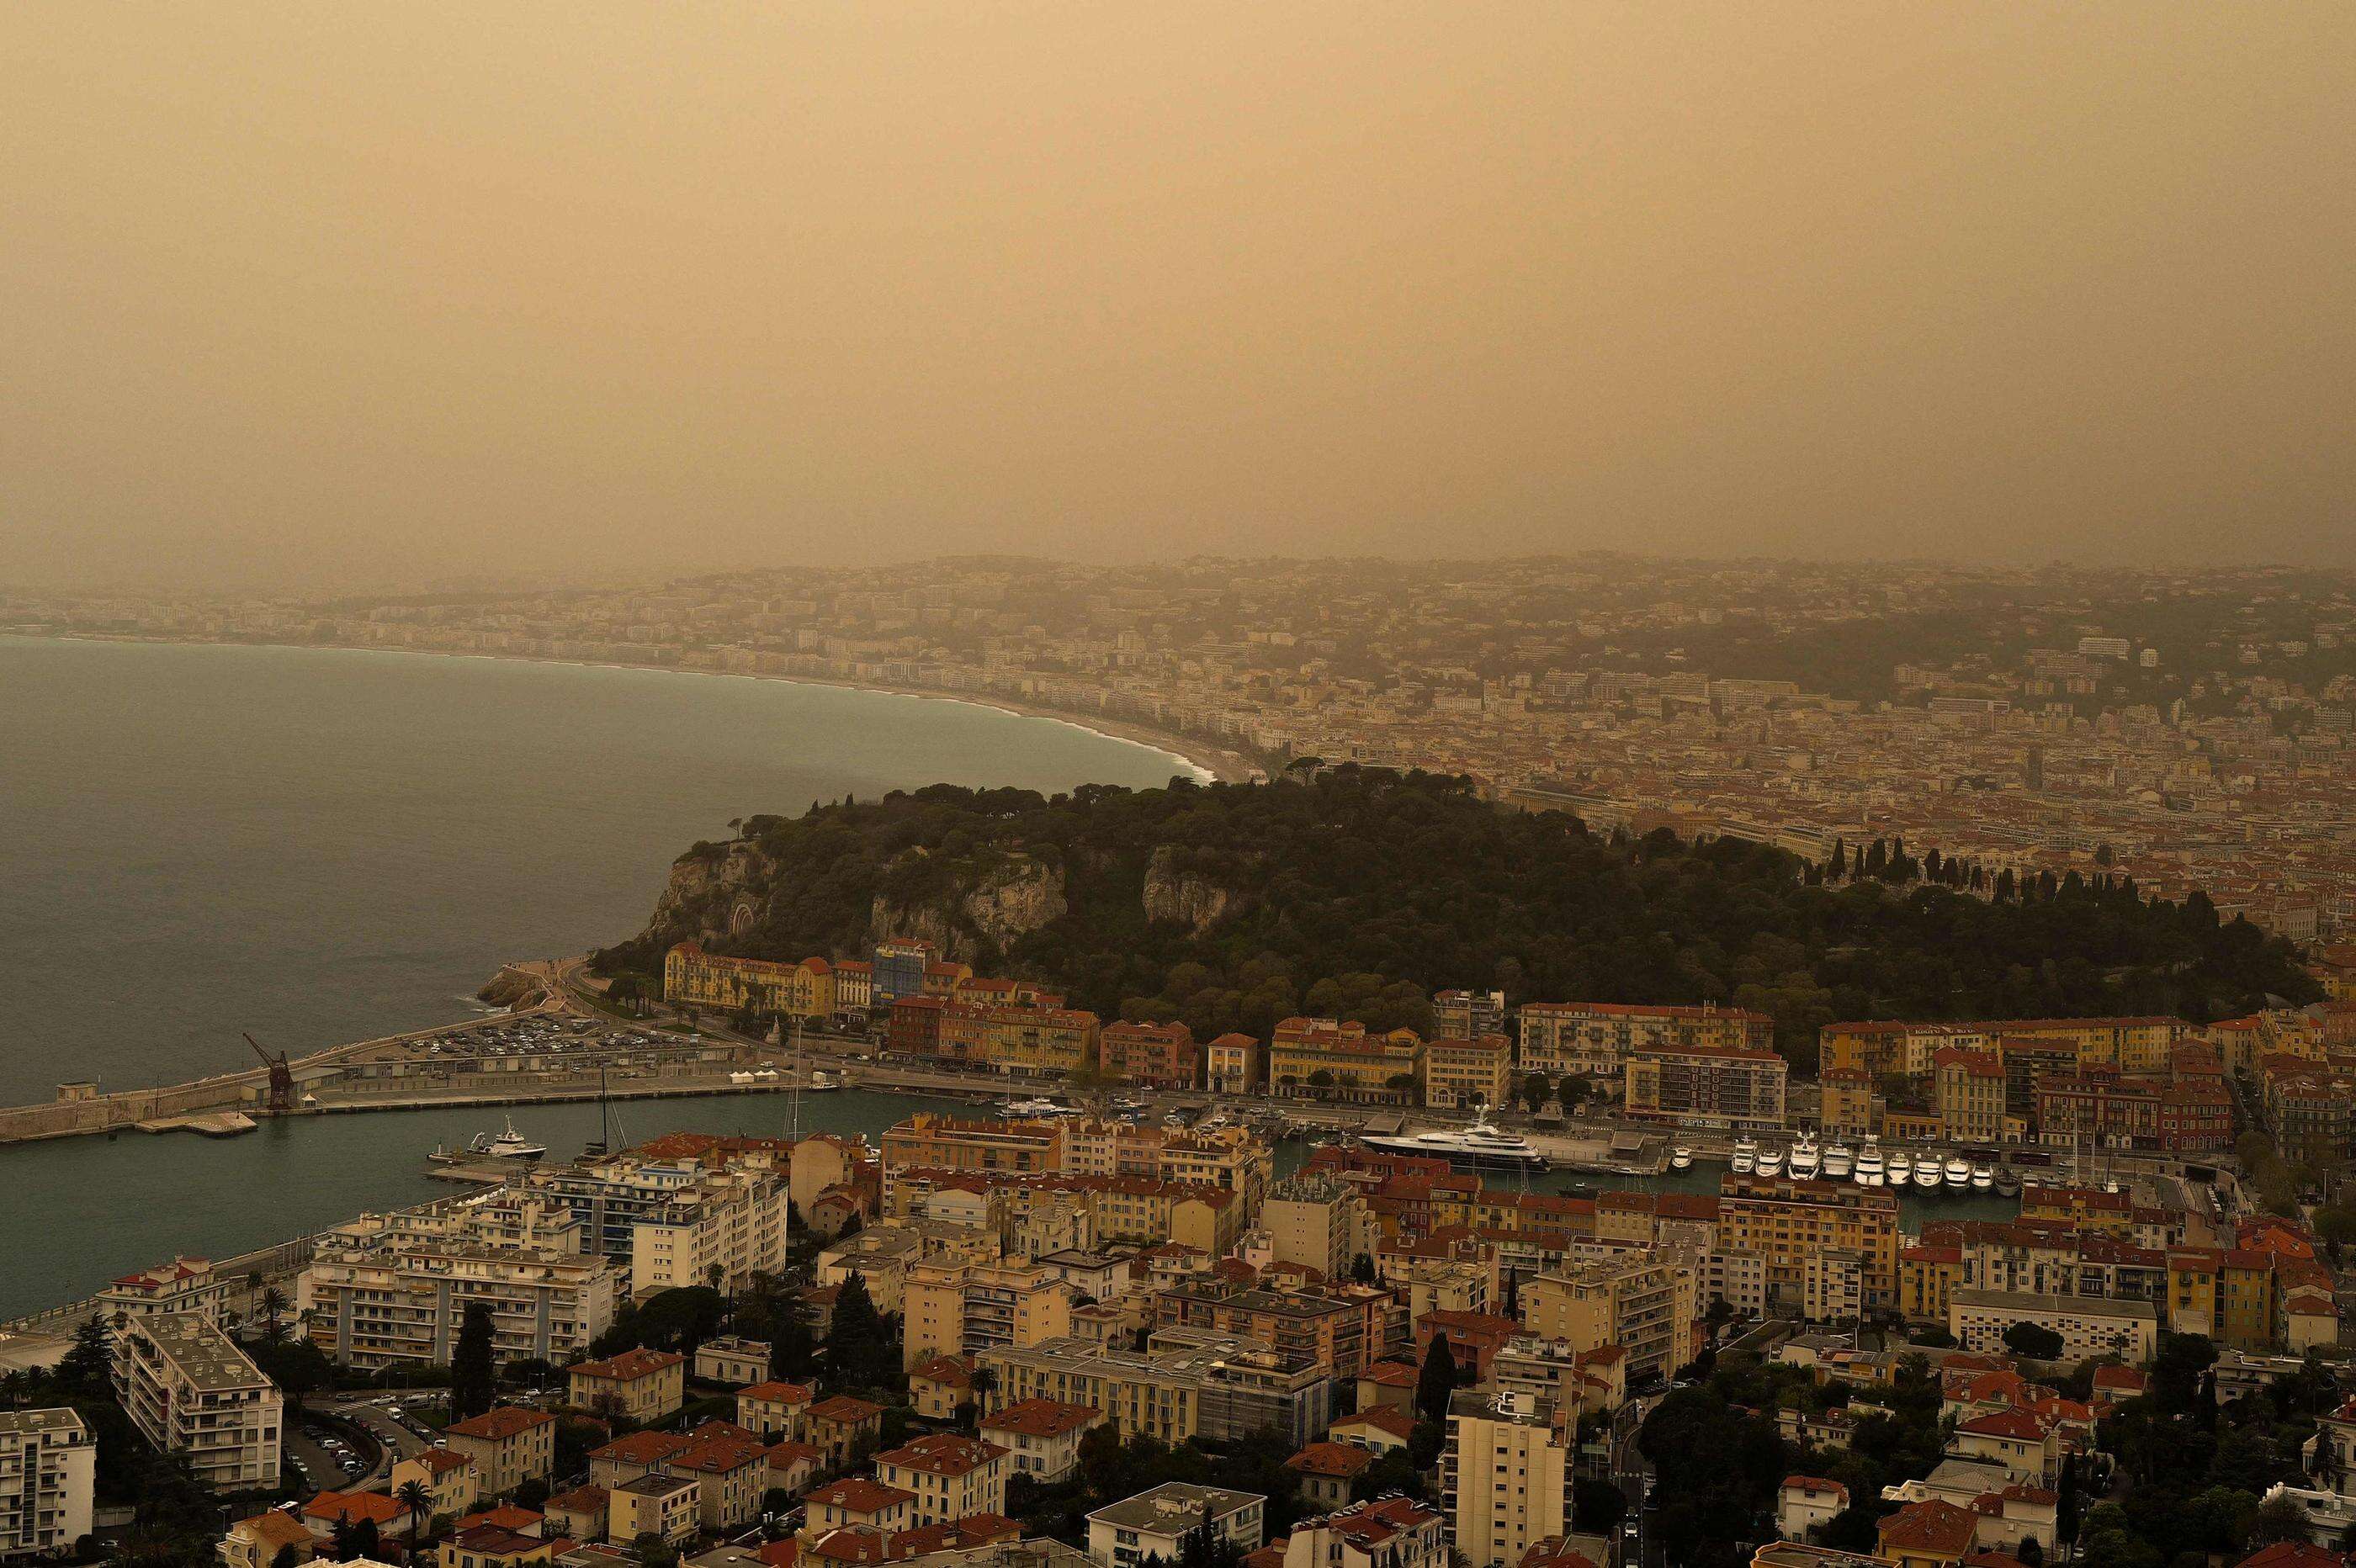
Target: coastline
(1208,762)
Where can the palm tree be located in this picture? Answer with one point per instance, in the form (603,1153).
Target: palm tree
(273,1302)
(414,1497)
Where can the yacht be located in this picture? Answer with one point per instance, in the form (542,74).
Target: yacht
(1745,1158)
(509,1145)
(1983,1178)
(822,1082)
(1681,1158)
(1038,1107)
(1839,1162)
(1479,1146)
(1902,1169)
(1770,1162)
(1929,1171)
(1806,1159)
(2007,1184)
(1959,1171)
(1871,1172)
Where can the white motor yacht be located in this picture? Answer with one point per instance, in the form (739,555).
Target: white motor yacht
(823,1082)
(1870,1171)
(1959,1171)
(1770,1162)
(1902,1169)
(1929,1171)
(1681,1158)
(1840,1161)
(1806,1159)
(1478,1147)
(1038,1107)
(1983,1178)
(1745,1158)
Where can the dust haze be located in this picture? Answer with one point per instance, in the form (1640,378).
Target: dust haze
(327,296)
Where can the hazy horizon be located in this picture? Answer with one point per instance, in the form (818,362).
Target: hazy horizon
(373,299)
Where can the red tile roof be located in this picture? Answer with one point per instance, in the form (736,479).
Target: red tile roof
(500,1422)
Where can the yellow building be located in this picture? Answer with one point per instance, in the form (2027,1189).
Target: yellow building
(1504,1475)
(1783,1221)
(1641,1304)
(1462,1073)
(929,1142)
(696,978)
(964,1308)
(1969,1086)
(643,1385)
(1322,1058)
(1034,1042)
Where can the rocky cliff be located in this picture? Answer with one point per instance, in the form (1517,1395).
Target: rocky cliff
(1175,892)
(1012,899)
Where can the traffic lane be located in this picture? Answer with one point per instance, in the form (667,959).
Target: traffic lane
(321,1454)
(395,1441)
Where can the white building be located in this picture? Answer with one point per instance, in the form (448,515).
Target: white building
(185,1383)
(388,1291)
(48,1465)
(1152,1524)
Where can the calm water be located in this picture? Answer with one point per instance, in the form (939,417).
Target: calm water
(321,845)
(137,1199)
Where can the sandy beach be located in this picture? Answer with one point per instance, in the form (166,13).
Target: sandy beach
(1209,763)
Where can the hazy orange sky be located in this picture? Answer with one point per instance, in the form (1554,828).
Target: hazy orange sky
(324,296)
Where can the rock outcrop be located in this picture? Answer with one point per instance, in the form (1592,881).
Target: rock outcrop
(1177,894)
(1012,900)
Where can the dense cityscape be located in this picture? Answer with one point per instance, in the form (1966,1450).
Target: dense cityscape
(2191,729)
(1292,1302)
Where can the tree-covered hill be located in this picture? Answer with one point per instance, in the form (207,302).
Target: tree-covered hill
(1356,895)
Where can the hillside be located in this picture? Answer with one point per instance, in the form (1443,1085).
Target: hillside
(1234,906)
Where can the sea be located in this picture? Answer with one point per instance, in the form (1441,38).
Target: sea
(316,846)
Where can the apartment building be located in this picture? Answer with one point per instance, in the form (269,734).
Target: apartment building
(1462,1074)
(378,1295)
(693,977)
(929,1142)
(1639,1302)
(509,1445)
(946,1476)
(1387,1532)
(1234,1064)
(1707,1086)
(1022,1039)
(2089,1326)
(1317,1222)
(1594,1039)
(699,1208)
(964,1308)
(1042,1437)
(1504,1475)
(184,1285)
(1343,1329)
(2107,1109)
(1325,1059)
(1968,1092)
(47,1473)
(1783,1221)
(1154,1525)
(187,1387)
(643,1385)
(1160,1056)
(1215,1386)
(1468,1015)
(1587,1382)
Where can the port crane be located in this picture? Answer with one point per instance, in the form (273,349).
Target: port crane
(282,1078)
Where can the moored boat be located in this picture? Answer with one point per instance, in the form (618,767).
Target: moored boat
(1870,1170)
(1929,1172)
(1770,1162)
(1681,1158)
(1745,1158)
(1478,1147)
(1902,1168)
(509,1145)
(1983,1178)
(1807,1160)
(1840,1162)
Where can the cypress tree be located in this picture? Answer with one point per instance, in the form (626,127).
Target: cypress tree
(471,1372)
(1436,1384)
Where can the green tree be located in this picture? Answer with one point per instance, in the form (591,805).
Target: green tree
(419,1501)
(473,1378)
(2033,1340)
(1435,1385)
